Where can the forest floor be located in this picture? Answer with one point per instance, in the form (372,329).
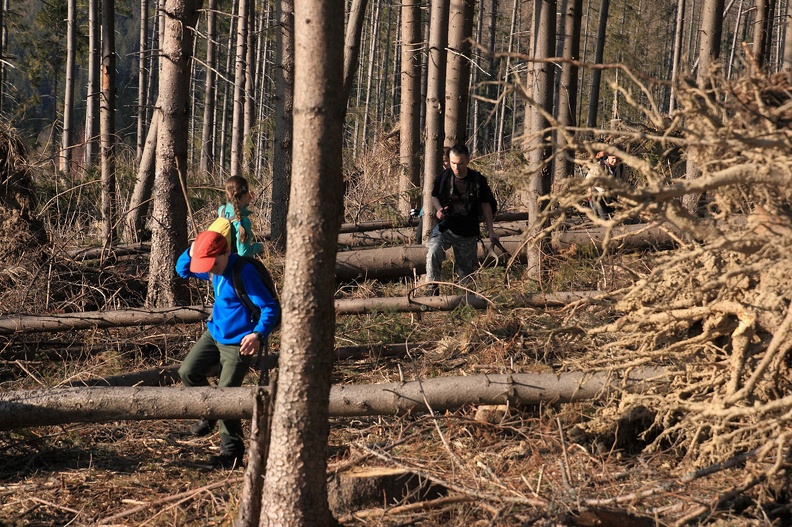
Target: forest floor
(538,465)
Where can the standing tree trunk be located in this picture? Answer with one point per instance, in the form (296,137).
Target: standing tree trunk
(677,53)
(169,216)
(596,75)
(762,30)
(460,31)
(410,108)
(354,28)
(787,64)
(567,95)
(709,52)
(435,97)
(250,91)
(207,133)
(238,119)
(284,102)
(540,83)
(92,97)
(141,194)
(68,90)
(295,488)
(107,124)
(142,80)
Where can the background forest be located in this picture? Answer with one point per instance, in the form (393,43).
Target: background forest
(635,367)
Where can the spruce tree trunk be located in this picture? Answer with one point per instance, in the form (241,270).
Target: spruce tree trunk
(107,123)
(677,53)
(435,99)
(709,52)
(249,91)
(410,107)
(169,217)
(460,31)
(92,96)
(67,139)
(295,487)
(568,87)
(210,94)
(141,194)
(284,102)
(142,80)
(537,141)
(237,132)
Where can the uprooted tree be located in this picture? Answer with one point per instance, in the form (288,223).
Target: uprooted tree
(715,311)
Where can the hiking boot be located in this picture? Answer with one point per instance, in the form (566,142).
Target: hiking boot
(203,427)
(227,461)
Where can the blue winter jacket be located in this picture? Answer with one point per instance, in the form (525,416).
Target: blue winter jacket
(230,320)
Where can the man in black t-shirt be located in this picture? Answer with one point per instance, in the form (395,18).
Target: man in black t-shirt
(460,194)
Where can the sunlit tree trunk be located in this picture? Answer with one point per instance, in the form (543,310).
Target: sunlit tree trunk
(373,50)
(709,52)
(284,101)
(169,215)
(762,27)
(540,83)
(435,97)
(237,132)
(410,107)
(787,64)
(107,122)
(250,90)
(92,97)
(677,53)
(568,87)
(142,80)
(67,139)
(210,94)
(295,486)
(596,75)
(460,31)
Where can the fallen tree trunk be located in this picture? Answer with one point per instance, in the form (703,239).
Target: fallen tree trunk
(56,406)
(624,238)
(406,235)
(192,314)
(386,224)
(169,375)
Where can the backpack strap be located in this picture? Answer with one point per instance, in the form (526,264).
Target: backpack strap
(239,288)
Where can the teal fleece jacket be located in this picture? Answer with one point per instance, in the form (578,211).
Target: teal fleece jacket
(231,320)
(249,248)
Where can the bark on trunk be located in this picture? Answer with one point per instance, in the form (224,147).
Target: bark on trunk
(191,314)
(56,406)
(141,194)
(107,123)
(238,117)
(460,31)
(207,133)
(67,138)
(410,109)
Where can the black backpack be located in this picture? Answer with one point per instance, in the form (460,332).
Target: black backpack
(445,188)
(266,277)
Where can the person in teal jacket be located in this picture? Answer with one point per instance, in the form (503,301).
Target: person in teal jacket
(236,210)
(232,337)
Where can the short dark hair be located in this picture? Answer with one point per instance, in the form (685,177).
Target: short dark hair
(460,150)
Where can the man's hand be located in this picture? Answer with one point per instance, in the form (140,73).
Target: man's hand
(441,212)
(494,236)
(250,344)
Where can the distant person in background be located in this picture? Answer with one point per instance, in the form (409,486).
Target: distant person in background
(599,203)
(236,209)
(459,196)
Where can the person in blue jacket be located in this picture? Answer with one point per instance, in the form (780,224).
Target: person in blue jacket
(236,210)
(231,339)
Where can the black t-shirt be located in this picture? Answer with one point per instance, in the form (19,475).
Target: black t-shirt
(463,197)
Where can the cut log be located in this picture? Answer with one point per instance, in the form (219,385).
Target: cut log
(55,406)
(11,324)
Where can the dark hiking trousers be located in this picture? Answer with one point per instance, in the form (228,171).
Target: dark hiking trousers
(204,355)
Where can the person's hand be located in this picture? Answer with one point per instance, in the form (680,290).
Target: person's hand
(440,213)
(494,236)
(250,344)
